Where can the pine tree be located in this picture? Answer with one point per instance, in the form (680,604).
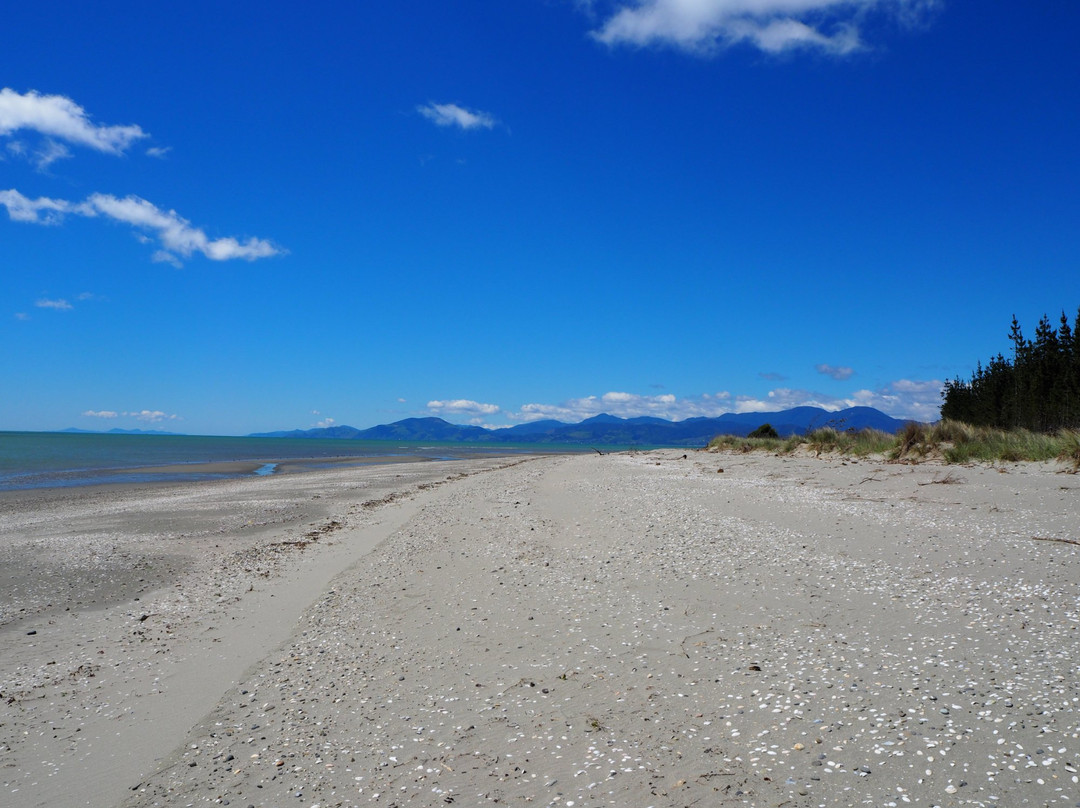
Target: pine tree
(1039,389)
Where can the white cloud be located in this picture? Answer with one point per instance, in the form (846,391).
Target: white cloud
(473,411)
(147,416)
(454,115)
(100,414)
(38,211)
(324,423)
(622,405)
(773,26)
(59,304)
(158,151)
(60,119)
(175,233)
(22,315)
(904,398)
(838,373)
(462,406)
(152,416)
(786,398)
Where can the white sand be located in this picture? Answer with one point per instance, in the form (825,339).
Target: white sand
(616,630)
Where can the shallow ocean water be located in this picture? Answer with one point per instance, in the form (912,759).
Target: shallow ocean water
(61,459)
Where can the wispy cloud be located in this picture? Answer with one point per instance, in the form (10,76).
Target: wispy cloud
(58,120)
(838,373)
(59,304)
(37,211)
(146,416)
(152,416)
(454,115)
(176,234)
(772,26)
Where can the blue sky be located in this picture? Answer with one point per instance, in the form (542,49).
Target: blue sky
(228,218)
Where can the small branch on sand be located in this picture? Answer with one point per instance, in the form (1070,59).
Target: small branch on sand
(597,451)
(1060,541)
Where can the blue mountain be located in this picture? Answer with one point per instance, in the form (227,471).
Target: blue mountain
(610,430)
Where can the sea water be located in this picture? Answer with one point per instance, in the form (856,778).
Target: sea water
(54,459)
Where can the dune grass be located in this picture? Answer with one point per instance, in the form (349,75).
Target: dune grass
(951,441)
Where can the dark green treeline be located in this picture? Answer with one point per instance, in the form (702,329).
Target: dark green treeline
(1039,389)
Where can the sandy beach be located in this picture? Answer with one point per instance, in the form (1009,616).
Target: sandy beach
(650,629)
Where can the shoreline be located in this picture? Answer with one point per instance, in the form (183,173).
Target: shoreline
(619,629)
(191,472)
(151,599)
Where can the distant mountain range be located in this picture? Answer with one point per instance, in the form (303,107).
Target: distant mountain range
(609,430)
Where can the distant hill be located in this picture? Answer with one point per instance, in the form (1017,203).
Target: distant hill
(609,430)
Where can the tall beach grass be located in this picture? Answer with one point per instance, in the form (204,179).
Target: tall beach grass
(949,441)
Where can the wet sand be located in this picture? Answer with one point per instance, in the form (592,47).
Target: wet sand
(589,630)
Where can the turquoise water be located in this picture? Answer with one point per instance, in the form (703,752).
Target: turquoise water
(55,459)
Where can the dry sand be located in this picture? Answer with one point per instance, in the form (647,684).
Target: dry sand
(627,630)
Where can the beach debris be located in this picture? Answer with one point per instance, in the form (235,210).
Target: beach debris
(1053,538)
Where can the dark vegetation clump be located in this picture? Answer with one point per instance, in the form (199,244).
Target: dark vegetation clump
(764,431)
(1038,389)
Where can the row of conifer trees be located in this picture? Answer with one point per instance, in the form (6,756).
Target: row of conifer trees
(1037,389)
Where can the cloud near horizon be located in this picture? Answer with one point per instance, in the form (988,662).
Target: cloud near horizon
(622,405)
(454,115)
(149,416)
(917,400)
(175,234)
(475,411)
(773,26)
